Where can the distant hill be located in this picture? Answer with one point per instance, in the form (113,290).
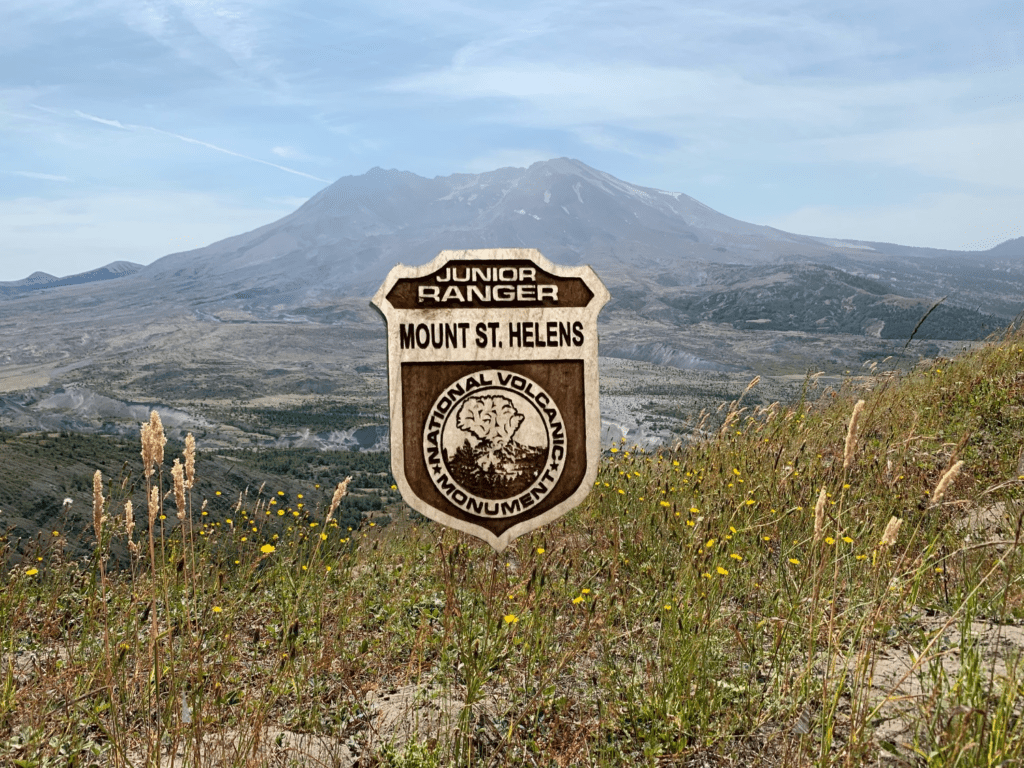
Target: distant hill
(40,280)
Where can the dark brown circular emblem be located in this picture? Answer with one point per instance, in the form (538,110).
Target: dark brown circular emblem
(494,443)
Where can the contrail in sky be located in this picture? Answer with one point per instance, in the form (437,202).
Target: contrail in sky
(130,127)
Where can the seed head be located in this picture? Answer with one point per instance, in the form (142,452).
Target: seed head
(153,442)
(97,504)
(819,515)
(178,473)
(154,504)
(851,435)
(945,480)
(129,519)
(190,459)
(892,528)
(339,493)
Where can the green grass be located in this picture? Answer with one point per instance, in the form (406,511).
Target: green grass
(687,613)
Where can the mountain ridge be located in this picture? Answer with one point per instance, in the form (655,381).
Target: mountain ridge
(39,280)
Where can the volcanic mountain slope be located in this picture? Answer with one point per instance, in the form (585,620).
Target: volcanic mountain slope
(808,298)
(345,239)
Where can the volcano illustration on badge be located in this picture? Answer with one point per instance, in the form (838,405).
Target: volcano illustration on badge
(493,387)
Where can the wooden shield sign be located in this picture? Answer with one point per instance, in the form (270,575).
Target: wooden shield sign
(492,376)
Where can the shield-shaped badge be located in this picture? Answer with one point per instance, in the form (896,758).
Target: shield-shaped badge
(492,376)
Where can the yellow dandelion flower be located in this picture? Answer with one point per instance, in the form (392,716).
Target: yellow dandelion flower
(328,569)
(829,540)
(736,556)
(711,543)
(511,618)
(313,525)
(266,549)
(694,510)
(244,538)
(662,503)
(540,550)
(847,539)
(577,600)
(735,471)
(280,493)
(217,493)
(585,591)
(217,609)
(323,537)
(705,575)
(300,496)
(794,561)
(722,571)
(690,523)
(31,571)
(668,607)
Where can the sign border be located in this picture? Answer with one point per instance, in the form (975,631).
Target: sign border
(592,408)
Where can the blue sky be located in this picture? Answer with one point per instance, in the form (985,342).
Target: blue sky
(130,129)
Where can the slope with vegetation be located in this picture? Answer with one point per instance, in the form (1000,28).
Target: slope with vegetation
(822,583)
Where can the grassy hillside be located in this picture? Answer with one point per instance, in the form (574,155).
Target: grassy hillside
(41,470)
(787,593)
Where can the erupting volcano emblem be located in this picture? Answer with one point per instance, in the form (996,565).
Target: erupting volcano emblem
(494,443)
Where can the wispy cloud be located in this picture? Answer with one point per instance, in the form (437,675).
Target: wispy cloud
(72,234)
(42,176)
(934,220)
(636,94)
(986,151)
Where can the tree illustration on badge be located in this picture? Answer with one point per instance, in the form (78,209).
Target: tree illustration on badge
(491,462)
